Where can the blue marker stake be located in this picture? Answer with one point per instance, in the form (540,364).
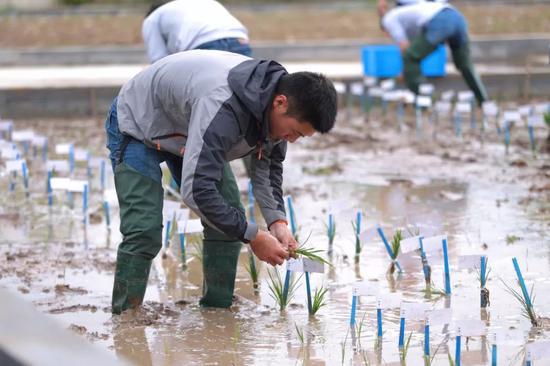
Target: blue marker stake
(167,235)
(25,178)
(494,355)
(71,159)
(330,231)
(483,270)
(251,214)
(522,283)
(358,217)
(532,137)
(308,290)
(506,136)
(425,268)
(45,151)
(379,322)
(427,339)
(473,119)
(292,217)
(388,248)
(400,115)
(458,125)
(401,333)
(102,175)
(85,204)
(107,214)
(13,176)
(353,310)
(286,285)
(447,269)
(49,189)
(88,168)
(457,351)
(182,248)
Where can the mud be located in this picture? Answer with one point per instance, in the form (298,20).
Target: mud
(469,188)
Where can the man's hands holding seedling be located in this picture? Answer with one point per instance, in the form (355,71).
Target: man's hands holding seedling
(274,246)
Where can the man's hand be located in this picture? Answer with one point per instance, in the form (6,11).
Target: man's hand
(403,45)
(281,231)
(268,249)
(382,8)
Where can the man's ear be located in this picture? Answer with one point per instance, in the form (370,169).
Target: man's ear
(280,103)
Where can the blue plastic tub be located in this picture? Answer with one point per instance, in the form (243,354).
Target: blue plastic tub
(434,64)
(384,61)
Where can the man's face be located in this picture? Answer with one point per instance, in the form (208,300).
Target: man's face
(283,126)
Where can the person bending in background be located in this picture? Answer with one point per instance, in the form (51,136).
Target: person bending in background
(419,28)
(183,25)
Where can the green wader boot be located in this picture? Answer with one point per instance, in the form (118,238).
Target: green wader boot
(220,252)
(419,48)
(463,62)
(140,199)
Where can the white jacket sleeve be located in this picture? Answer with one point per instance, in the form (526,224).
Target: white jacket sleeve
(393,26)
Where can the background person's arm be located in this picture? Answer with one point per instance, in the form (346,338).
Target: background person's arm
(155,44)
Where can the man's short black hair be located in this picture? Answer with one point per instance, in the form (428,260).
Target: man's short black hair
(311,98)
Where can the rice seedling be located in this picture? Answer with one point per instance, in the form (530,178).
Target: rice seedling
(309,253)
(300,334)
(395,246)
(318,299)
(483,277)
(331,232)
(450,358)
(364,357)
(252,269)
(527,310)
(343,347)
(511,239)
(405,348)
(431,290)
(276,288)
(359,327)
(196,243)
(356,232)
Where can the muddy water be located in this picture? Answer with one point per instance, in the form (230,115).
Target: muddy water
(468,189)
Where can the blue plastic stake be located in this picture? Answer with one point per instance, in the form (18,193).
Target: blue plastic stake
(427,339)
(494,355)
(85,204)
(102,174)
(182,248)
(400,115)
(25,178)
(473,119)
(483,270)
(457,351)
(353,310)
(387,245)
(379,322)
(522,283)
(13,176)
(107,214)
(506,136)
(71,159)
(49,189)
(167,235)
(292,217)
(287,284)
(424,260)
(251,214)
(308,290)
(447,269)
(330,232)
(458,125)
(358,217)
(45,151)
(532,138)
(401,333)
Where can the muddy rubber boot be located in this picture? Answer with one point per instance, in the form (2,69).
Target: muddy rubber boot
(419,48)
(131,275)
(140,199)
(220,252)
(463,62)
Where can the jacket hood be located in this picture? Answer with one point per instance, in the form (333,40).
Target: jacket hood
(254,83)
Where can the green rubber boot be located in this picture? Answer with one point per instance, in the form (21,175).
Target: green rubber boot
(140,199)
(463,62)
(419,48)
(220,252)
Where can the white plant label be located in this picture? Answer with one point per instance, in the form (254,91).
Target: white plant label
(60,166)
(110,196)
(25,135)
(169,208)
(443,107)
(194,226)
(470,327)
(340,87)
(366,288)
(538,350)
(542,108)
(535,121)
(433,243)
(370,81)
(39,140)
(6,125)
(426,89)
(448,95)
(313,266)
(295,265)
(182,214)
(463,107)
(525,110)
(376,92)
(8,153)
(490,109)
(409,97)
(60,183)
(440,316)
(469,261)
(368,235)
(423,101)
(63,149)
(77,186)
(410,244)
(511,116)
(414,310)
(389,301)
(465,96)
(81,155)
(357,89)
(387,84)
(96,162)
(15,165)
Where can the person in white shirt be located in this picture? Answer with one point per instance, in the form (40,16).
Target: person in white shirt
(182,25)
(420,28)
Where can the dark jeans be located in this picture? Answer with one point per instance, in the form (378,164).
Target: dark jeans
(235,45)
(448,26)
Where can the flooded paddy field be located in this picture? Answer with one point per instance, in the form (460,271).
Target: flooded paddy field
(487,201)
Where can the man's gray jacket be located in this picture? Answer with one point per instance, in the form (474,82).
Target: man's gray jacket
(210,107)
